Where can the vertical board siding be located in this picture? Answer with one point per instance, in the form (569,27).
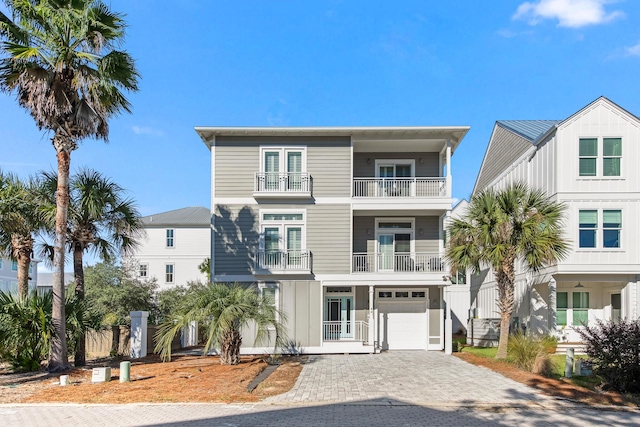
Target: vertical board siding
(328,238)
(364,164)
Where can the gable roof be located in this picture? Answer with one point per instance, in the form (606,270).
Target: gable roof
(194,216)
(529,129)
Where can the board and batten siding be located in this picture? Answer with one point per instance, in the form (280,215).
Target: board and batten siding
(364,164)
(237,160)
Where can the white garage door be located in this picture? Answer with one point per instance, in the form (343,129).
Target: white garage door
(402,325)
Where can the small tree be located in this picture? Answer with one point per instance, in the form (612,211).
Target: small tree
(224,310)
(614,350)
(205,268)
(501,227)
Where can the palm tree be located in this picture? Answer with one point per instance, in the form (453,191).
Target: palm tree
(224,310)
(100,220)
(500,228)
(60,60)
(19,220)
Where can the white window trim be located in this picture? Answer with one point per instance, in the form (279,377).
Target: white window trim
(411,231)
(410,298)
(173,273)
(173,238)
(600,231)
(281,224)
(276,296)
(283,150)
(395,162)
(600,159)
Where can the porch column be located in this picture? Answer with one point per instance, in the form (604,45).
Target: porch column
(553,318)
(371,317)
(448,323)
(448,160)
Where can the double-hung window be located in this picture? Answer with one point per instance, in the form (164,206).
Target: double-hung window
(283,169)
(143,270)
(579,305)
(170,238)
(590,227)
(169,271)
(591,164)
(283,240)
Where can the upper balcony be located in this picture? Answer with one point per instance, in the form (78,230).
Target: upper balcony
(282,185)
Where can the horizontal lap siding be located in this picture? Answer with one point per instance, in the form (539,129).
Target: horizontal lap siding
(328,238)
(430,166)
(236,235)
(235,167)
(329,165)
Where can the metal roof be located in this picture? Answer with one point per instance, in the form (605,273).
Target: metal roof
(196,215)
(529,129)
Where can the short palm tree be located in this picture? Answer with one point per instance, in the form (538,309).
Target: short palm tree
(100,220)
(59,58)
(20,219)
(500,228)
(224,310)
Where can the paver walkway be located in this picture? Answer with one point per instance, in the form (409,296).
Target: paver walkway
(418,377)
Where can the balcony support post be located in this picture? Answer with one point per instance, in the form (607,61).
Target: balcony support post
(448,160)
(371,318)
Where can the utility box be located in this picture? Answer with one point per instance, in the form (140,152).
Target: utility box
(100,375)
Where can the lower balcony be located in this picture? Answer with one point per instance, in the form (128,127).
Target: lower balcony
(406,262)
(282,262)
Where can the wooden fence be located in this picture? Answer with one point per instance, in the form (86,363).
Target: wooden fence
(115,341)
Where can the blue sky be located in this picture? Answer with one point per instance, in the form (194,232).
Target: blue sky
(340,63)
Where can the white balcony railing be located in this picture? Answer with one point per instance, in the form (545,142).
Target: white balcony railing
(400,187)
(345,331)
(413,262)
(283,260)
(282,182)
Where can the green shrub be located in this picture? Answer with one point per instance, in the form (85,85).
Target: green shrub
(614,350)
(529,353)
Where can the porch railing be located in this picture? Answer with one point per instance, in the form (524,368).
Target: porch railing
(407,262)
(345,331)
(282,182)
(283,260)
(399,187)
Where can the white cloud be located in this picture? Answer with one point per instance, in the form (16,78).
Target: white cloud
(633,50)
(569,13)
(145,130)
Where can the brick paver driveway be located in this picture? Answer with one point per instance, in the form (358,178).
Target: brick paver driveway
(418,377)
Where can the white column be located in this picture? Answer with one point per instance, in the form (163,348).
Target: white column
(448,160)
(190,335)
(553,318)
(448,323)
(371,317)
(138,341)
(212,263)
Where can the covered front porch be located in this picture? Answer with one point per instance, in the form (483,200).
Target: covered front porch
(371,318)
(575,301)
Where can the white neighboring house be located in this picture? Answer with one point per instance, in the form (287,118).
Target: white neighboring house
(9,275)
(590,162)
(175,244)
(458,293)
(45,281)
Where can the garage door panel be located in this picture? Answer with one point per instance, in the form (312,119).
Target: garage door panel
(403,325)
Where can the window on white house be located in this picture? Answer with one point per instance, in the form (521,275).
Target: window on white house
(168,269)
(611,226)
(143,270)
(14,265)
(588,153)
(30,268)
(588,226)
(0,263)
(169,238)
(580,308)
(612,154)
(562,303)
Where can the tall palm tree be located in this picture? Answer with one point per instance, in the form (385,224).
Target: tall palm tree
(100,220)
(500,228)
(59,58)
(224,310)
(19,219)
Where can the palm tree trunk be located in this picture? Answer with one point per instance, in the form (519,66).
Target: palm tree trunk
(505,321)
(79,358)
(230,348)
(58,360)
(22,253)
(505,278)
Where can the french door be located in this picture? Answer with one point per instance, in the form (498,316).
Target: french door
(395,252)
(288,161)
(283,246)
(390,184)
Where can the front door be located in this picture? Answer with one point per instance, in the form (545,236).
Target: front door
(338,318)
